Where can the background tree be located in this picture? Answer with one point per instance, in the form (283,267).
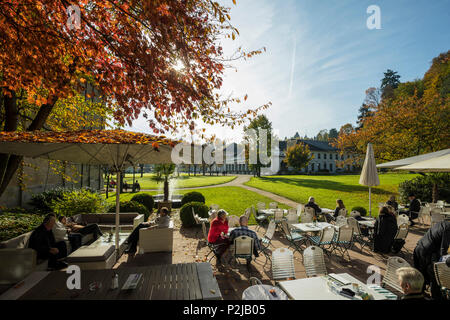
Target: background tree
(128,51)
(298,156)
(389,83)
(296,136)
(333,134)
(260,122)
(322,135)
(164,173)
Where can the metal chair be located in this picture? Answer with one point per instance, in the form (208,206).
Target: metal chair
(273,205)
(212,247)
(295,239)
(261,206)
(341,221)
(314,262)
(306,217)
(343,241)
(292,217)
(283,264)
(233,221)
(402,232)
(261,219)
(266,240)
(300,209)
(440,203)
(402,218)
(424,212)
(310,211)
(243,248)
(390,278)
(324,240)
(358,236)
(248,212)
(342,212)
(436,216)
(442,274)
(278,216)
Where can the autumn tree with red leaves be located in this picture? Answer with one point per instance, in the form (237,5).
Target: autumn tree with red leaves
(125,49)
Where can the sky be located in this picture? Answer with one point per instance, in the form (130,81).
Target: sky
(321,57)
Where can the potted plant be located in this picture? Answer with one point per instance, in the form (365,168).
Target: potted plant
(164,173)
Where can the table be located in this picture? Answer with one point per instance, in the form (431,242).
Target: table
(271,212)
(326,210)
(187,281)
(367,223)
(316,288)
(262,292)
(310,227)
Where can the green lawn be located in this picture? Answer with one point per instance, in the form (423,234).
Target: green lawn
(233,199)
(184,181)
(326,189)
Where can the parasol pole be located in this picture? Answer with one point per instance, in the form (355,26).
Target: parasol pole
(117,211)
(370,202)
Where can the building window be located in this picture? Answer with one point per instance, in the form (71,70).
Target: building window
(331,167)
(336,156)
(325,156)
(318,156)
(319,166)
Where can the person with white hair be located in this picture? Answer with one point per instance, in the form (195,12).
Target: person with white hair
(312,204)
(411,281)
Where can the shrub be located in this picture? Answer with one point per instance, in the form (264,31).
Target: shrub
(15,224)
(187,220)
(78,201)
(422,187)
(131,206)
(145,199)
(192,197)
(42,202)
(361,210)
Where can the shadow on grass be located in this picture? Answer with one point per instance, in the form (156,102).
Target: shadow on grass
(323,184)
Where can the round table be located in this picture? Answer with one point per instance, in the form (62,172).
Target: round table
(262,292)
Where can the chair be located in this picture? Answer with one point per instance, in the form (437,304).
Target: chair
(358,236)
(390,278)
(343,241)
(342,212)
(278,216)
(402,232)
(273,205)
(314,262)
(440,203)
(248,212)
(212,247)
(261,219)
(243,248)
(424,212)
(261,206)
(324,240)
(355,213)
(215,207)
(267,238)
(442,274)
(341,221)
(436,216)
(300,209)
(310,211)
(254,281)
(295,239)
(306,217)
(233,221)
(292,217)
(402,218)
(283,264)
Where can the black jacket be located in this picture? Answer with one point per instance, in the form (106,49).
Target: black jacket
(434,243)
(315,206)
(384,233)
(393,204)
(42,240)
(414,206)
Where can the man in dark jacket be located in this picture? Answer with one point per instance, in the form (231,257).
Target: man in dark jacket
(43,241)
(311,204)
(384,231)
(433,245)
(414,208)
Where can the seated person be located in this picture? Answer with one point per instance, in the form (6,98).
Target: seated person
(411,281)
(391,202)
(312,204)
(217,233)
(76,231)
(136,186)
(125,186)
(339,205)
(43,241)
(414,208)
(243,230)
(384,231)
(162,221)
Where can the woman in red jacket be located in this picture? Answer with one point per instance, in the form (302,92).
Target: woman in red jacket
(218,233)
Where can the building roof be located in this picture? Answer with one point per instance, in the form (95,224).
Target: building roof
(313,145)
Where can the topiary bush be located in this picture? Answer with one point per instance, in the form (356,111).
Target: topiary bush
(361,210)
(78,202)
(193,196)
(145,199)
(187,220)
(422,187)
(131,206)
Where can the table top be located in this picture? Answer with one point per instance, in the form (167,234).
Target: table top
(316,288)
(262,292)
(187,281)
(310,227)
(367,223)
(270,212)
(326,210)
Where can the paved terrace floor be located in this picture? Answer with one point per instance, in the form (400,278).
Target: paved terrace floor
(234,279)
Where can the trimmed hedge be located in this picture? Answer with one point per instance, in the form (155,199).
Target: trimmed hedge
(193,196)
(422,187)
(131,206)
(361,210)
(187,220)
(15,224)
(145,199)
